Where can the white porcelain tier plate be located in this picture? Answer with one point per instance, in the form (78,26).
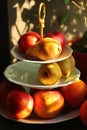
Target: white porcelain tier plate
(17,53)
(26,74)
(64,116)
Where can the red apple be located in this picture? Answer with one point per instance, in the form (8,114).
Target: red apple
(5,87)
(83,112)
(27,40)
(59,36)
(18,104)
(48,104)
(75,93)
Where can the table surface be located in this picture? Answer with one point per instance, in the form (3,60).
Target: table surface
(73,124)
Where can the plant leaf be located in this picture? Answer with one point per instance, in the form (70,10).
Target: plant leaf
(67,1)
(85,38)
(78,17)
(64,19)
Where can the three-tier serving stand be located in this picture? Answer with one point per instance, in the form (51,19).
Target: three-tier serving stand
(25,73)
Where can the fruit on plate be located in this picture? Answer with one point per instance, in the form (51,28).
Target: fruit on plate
(49,73)
(5,87)
(75,93)
(18,104)
(46,49)
(59,36)
(83,112)
(48,103)
(67,65)
(27,40)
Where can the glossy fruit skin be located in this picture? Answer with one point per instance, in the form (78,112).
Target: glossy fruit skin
(59,36)
(66,66)
(18,104)
(83,112)
(49,74)
(5,87)
(46,49)
(48,104)
(27,40)
(75,93)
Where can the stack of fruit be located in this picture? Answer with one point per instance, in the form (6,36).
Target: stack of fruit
(47,48)
(50,103)
(17,103)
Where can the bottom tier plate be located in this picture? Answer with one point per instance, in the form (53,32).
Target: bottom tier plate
(26,74)
(66,115)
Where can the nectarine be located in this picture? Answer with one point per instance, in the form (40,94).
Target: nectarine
(48,104)
(83,112)
(75,93)
(27,40)
(5,87)
(18,104)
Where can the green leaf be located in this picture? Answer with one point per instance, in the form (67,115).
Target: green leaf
(85,38)
(64,19)
(78,17)
(67,1)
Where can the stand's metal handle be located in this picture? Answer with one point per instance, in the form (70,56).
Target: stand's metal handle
(42,14)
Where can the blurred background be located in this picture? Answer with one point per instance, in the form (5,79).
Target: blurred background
(23,17)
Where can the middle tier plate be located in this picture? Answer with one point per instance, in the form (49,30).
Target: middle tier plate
(26,74)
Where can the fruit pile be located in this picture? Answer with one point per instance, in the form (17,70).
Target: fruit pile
(51,73)
(17,103)
(47,48)
(43,48)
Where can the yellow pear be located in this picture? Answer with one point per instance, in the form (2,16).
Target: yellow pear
(50,73)
(46,49)
(67,66)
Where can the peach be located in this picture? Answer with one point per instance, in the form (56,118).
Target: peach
(5,87)
(75,93)
(48,103)
(18,104)
(27,40)
(83,112)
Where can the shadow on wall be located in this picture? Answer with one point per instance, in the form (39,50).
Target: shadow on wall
(23,17)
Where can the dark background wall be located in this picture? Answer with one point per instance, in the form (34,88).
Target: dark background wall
(57,11)
(4,43)
(24,14)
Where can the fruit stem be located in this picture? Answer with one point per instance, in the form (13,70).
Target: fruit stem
(42,14)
